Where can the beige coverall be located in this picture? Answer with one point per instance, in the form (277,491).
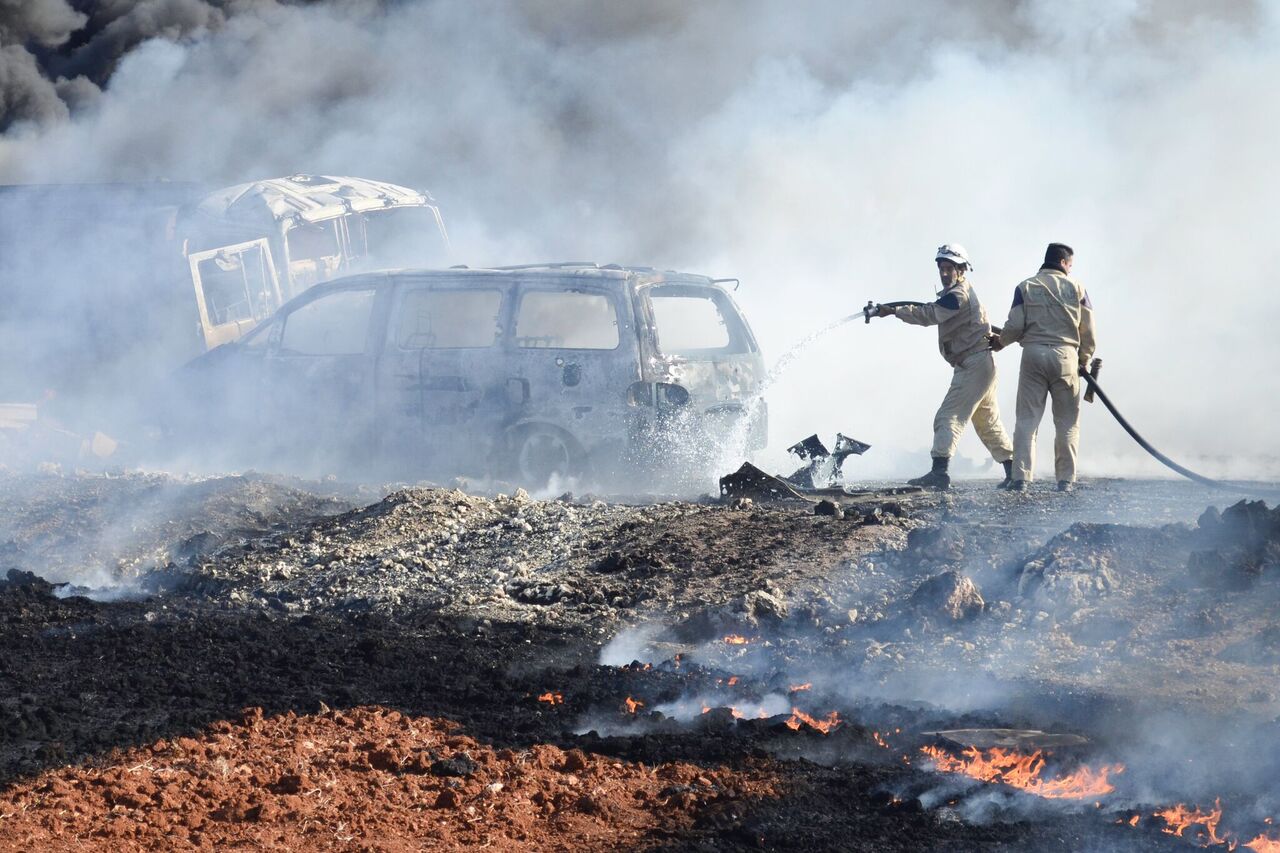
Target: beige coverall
(962,340)
(1053,320)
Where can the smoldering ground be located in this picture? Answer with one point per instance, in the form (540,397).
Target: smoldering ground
(1164,696)
(817,152)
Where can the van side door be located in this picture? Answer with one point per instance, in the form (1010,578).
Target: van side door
(320,376)
(575,347)
(443,390)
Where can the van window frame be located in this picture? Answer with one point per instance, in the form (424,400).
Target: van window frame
(407,287)
(275,347)
(526,287)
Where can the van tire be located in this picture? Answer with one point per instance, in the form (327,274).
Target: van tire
(538,453)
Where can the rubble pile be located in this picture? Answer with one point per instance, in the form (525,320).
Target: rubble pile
(1238,547)
(512,558)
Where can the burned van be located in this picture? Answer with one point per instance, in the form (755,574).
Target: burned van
(528,374)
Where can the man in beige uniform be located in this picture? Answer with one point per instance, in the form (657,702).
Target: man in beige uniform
(962,339)
(1053,320)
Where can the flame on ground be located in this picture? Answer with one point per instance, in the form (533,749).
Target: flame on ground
(1178,819)
(1200,826)
(824,725)
(552,698)
(880,740)
(736,640)
(632,705)
(1025,772)
(796,688)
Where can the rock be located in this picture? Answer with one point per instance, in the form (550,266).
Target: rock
(949,594)
(829,508)
(936,544)
(534,592)
(1070,571)
(1209,521)
(762,605)
(459,765)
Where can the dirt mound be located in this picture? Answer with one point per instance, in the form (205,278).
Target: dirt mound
(367,778)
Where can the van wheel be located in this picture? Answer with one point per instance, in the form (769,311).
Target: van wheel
(541,452)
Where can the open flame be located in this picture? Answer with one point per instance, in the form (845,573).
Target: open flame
(824,725)
(1024,772)
(552,698)
(736,640)
(879,739)
(796,688)
(632,705)
(1200,826)
(1179,818)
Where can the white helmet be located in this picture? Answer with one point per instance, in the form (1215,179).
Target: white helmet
(955,253)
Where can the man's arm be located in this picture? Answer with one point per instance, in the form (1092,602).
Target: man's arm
(931,313)
(1014,327)
(1088,340)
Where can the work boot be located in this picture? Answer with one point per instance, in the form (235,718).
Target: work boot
(1066,486)
(938,478)
(1018,486)
(1008,475)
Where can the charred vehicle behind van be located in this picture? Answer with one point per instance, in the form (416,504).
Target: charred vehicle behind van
(543,376)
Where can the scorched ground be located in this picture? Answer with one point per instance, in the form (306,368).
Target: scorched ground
(278,664)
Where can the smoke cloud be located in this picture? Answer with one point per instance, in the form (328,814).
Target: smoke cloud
(819,154)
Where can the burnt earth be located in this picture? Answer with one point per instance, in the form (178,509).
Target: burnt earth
(321,619)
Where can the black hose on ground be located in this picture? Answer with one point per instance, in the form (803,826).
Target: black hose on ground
(1147,446)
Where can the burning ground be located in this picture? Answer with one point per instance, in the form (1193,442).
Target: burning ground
(277,663)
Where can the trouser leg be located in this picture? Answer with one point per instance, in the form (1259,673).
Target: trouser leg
(969,383)
(986,419)
(1065,392)
(1032,390)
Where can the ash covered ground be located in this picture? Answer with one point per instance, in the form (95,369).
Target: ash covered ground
(270,662)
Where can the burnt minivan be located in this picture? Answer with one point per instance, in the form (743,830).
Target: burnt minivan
(531,375)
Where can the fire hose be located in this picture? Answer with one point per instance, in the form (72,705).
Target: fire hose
(1095,390)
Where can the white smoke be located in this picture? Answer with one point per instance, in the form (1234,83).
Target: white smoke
(819,154)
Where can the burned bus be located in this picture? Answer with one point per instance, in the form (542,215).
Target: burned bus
(105,288)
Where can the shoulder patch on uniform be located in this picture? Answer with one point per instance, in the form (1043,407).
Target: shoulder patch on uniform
(1017,297)
(949,300)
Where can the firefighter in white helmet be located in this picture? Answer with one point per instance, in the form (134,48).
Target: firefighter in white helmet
(963,332)
(1053,320)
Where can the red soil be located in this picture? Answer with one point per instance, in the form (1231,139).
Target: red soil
(365,779)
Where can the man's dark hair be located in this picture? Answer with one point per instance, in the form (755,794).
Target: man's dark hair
(1056,254)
